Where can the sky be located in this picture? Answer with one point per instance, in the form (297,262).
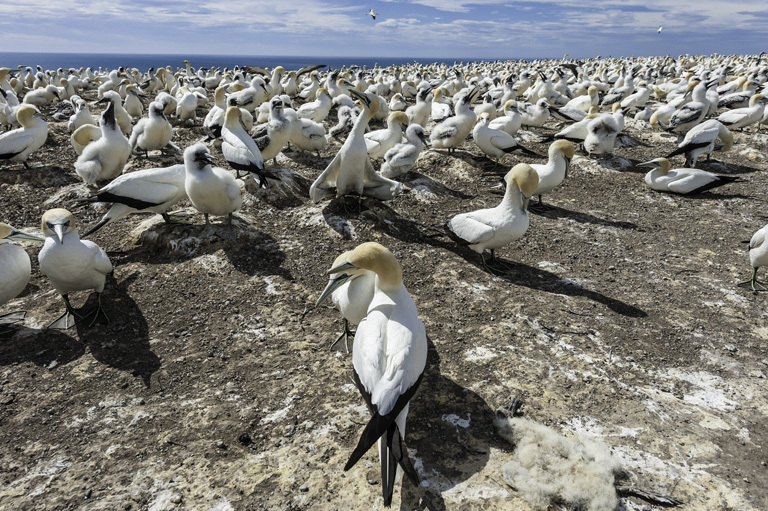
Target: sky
(477,29)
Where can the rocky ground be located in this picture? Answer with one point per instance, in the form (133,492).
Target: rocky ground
(212,387)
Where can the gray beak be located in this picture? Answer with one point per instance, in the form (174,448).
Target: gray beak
(22,236)
(333,284)
(59,230)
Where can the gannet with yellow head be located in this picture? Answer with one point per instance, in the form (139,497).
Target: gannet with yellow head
(380,141)
(684,181)
(552,173)
(701,140)
(18,144)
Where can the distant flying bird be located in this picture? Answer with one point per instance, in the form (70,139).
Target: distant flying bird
(660,29)
(372,14)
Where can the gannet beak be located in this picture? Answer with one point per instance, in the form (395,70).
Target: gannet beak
(567,165)
(22,236)
(526,200)
(59,229)
(650,164)
(342,268)
(423,137)
(362,97)
(331,287)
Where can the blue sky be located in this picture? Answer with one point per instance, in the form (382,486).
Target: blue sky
(414,28)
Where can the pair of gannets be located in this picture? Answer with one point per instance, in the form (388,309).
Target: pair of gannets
(211,190)
(15,268)
(71,264)
(153,132)
(389,353)
(105,157)
(664,178)
(701,140)
(452,132)
(351,171)
(18,144)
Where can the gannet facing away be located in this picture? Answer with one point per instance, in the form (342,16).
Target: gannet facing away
(684,181)
(106,157)
(18,144)
(496,227)
(212,190)
(758,256)
(389,357)
(71,264)
(15,268)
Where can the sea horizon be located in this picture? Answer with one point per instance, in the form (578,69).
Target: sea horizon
(144,61)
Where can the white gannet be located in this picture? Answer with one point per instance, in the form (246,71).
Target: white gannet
(441,108)
(380,141)
(684,181)
(603,130)
(211,190)
(106,157)
(153,132)
(318,109)
(132,103)
(71,264)
(496,143)
(306,134)
(15,268)
(83,136)
(347,116)
(659,30)
(251,97)
(496,227)
(758,256)
(41,97)
(534,115)
(743,117)
(402,157)
(18,144)
(420,112)
(584,102)
(351,291)
(692,113)
(389,357)
(372,14)
(398,104)
(552,173)
(239,149)
(154,190)
(351,171)
(81,116)
(452,132)
(186,107)
(121,116)
(169,103)
(511,121)
(277,132)
(214,119)
(701,140)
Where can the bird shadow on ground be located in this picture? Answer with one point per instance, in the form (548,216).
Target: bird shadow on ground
(40,346)
(719,167)
(449,435)
(308,158)
(414,179)
(38,176)
(123,343)
(249,250)
(550,211)
(289,190)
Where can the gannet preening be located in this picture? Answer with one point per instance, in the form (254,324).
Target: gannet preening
(154,190)
(83,136)
(372,14)
(351,171)
(452,132)
(496,143)
(15,268)
(758,256)
(71,264)
(121,116)
(402,158)
(701,140)
(552,173)
(153,132)
(239,149)
(277,132)
(684,181)
(494,228)
(104,158)
(211,190)
(380,141)
(389,357)
(18,144)
(351,291)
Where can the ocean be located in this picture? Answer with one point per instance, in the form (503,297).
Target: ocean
(143,62)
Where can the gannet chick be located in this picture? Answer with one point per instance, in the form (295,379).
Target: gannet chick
(106,157)
(83,136)
(510,122)
(602,132)
(121,116)
(351,291)
(758,256)
(496,227)
(351,171)
(534,115)
(15,268)
(556,169)
(452,132)
(153,132)
(380,141)
(71,264)
(402,158)
(18,144)
(239,149)
(397,103)
(389,357)
(701,140)
(420,112)
(81,116)
(684,181)
(496,143)
(318,109)
(154,190)
(132,103)
(347,116)
(278,132)
(212,190)
(42,96)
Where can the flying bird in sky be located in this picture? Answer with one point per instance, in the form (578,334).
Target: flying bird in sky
(660,29)
(372,14)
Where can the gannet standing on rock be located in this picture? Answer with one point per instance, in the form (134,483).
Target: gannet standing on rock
(351,171)
(71,264)
(701,140)
(555,170)
(15,268)
(402,158)
(153,132)
(212,190)
(758,256)
(18,144)
(496,227)
(684,181)
(104,158)
(389,357)
(452,132)
(239,149)
(351,291)
(154,190)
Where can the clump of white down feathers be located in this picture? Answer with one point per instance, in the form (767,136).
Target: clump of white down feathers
(550,469)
